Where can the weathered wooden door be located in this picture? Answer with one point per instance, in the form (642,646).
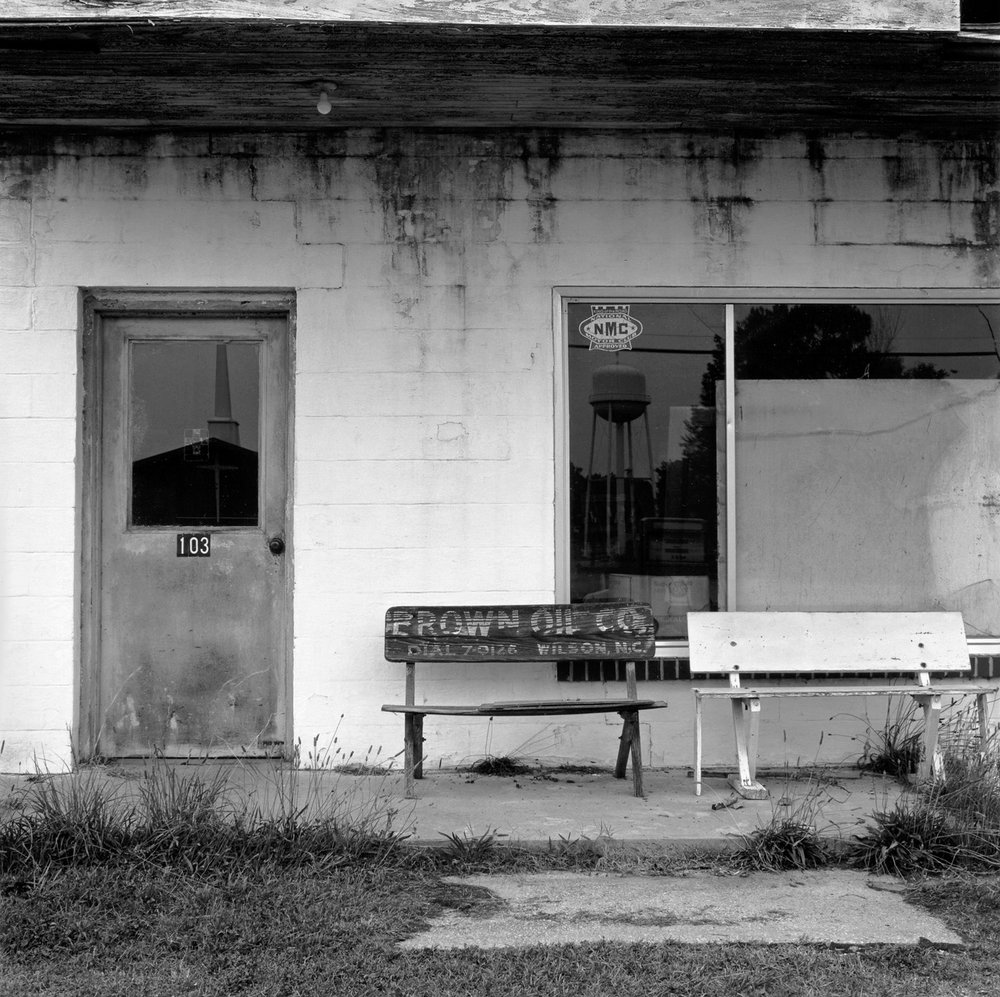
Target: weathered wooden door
(191,536)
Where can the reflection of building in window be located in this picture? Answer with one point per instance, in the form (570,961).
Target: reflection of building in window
(220,490)
(642,508)
(616,499)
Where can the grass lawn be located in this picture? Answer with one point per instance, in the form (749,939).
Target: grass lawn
(123,929)
(189,886)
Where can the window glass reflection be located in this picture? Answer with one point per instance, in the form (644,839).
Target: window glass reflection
(643,455)
(194,433)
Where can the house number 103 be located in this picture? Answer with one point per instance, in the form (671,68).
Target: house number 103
(194,544)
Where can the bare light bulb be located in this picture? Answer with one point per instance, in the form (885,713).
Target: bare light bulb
(323,105)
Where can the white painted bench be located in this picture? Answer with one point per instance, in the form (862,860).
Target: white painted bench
(910,646)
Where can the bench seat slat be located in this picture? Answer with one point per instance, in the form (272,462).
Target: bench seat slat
(910,688)
(445,711)
(530,708)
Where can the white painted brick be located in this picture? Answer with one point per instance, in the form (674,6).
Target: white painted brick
(937,223)
(184,262)
(15,395)
(431,437)
(457,568)
(335,483)
(427,265)
(608,223)
(15,265)
(56,308)
(408,394)
(339,220)
(167,221)
(25,618)
(23,483)
(764,224)
(868,266)
(36,708)
(465,351)
(37,574)
(420,526)
(38,352)
(849,223)
(15,308)
(373,306)
(42,530)
(45,662)
(15,220)
(37,440)
(53,396)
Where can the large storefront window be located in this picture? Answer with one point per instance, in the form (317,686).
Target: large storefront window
(861,469)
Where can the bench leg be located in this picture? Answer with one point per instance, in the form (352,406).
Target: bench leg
(931,763)
(413,751)
(697,744)
(746,725)
(629,745)
(624,747)
(984,733)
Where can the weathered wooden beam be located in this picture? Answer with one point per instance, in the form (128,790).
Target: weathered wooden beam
(841,15)
(256,75)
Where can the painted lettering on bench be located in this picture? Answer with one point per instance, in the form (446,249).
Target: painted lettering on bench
(519,633)
(577,649)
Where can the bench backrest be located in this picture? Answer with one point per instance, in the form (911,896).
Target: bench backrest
(743,643)
(609,630)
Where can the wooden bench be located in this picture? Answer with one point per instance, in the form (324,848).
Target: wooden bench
(911,646)
(502,634)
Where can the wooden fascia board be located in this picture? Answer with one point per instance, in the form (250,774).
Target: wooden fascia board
(839,15)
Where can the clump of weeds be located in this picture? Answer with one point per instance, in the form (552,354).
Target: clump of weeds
(201,819)
(895,747)
(501,765)
(952,821)
(790,839)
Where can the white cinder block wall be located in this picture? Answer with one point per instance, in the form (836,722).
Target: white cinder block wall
(423,266)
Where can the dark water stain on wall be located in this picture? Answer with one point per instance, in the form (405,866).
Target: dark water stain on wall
(541,156)
(716,178)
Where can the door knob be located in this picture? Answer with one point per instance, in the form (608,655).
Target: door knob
(276,546)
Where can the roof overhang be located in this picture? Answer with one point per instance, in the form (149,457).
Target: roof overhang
(114,70)
(840,15)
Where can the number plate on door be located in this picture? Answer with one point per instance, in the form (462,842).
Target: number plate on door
(194,544)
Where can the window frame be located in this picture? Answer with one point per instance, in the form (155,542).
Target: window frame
(729,298)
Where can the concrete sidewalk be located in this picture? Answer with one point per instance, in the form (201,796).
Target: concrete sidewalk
(837,907)
(563,803)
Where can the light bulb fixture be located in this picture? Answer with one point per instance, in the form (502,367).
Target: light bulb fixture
(323,105)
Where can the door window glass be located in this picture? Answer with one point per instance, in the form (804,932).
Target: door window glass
(193,427)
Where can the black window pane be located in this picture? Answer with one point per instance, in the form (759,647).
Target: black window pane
(193,423)
(643,456)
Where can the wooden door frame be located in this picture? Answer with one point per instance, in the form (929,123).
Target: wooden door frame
(98,304)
